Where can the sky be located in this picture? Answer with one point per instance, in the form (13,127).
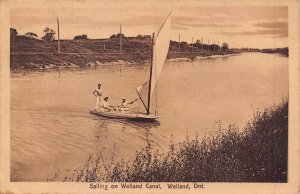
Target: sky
(239,26)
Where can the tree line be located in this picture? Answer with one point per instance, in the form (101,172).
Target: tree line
(200,44)
(49,35)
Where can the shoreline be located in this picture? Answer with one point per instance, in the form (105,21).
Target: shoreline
(179,59)
(70,65)
(33,54)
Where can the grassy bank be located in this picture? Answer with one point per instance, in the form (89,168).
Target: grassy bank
(282,51)
(256,153)
(28,53)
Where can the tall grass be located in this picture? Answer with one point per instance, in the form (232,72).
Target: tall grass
(256,153)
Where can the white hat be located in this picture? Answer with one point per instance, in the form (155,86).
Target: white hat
(124,98)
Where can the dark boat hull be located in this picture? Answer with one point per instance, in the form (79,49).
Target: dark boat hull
(126,115)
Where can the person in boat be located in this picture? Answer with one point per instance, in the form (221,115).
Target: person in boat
(123,106)
(98,93)
(105,106)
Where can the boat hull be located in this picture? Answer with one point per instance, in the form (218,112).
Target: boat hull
(126,115)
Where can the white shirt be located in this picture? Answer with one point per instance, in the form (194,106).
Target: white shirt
(124,104)
(105,104)
(99,91)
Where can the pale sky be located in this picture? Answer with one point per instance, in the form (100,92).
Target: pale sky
(240,26)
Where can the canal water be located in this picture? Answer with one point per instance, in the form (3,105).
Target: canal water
(51,127)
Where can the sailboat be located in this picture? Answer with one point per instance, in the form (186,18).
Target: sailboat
(160,49)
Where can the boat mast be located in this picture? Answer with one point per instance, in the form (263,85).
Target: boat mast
(150,80)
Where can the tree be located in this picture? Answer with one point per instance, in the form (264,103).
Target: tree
(81,37)
(113,36)
(13,32)
(225,46)
(183,43)
(49,35)
(31,35)
(117,36)
(143,36)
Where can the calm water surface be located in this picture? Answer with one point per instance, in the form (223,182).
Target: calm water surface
(51,126)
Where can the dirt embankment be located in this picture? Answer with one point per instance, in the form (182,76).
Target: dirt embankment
(27,53)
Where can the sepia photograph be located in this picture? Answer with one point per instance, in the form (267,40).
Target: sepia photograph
(148,95)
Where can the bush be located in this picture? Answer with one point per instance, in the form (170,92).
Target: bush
(116,36)
(31,35)
(81,37)
(48,35)
(13,32)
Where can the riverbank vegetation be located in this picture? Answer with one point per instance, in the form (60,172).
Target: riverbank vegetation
(254,153)
(283,51)
(42,53)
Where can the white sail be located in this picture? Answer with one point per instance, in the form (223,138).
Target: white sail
(160,51)
(159,55)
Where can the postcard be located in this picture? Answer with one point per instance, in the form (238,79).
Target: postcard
(149,96)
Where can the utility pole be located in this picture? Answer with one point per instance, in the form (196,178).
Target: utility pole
(214,46)
(208,46)
(179,43)
(58,40)
(121,39)
(192,43)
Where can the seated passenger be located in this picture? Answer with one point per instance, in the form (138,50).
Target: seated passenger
(105,106)
(123,106)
